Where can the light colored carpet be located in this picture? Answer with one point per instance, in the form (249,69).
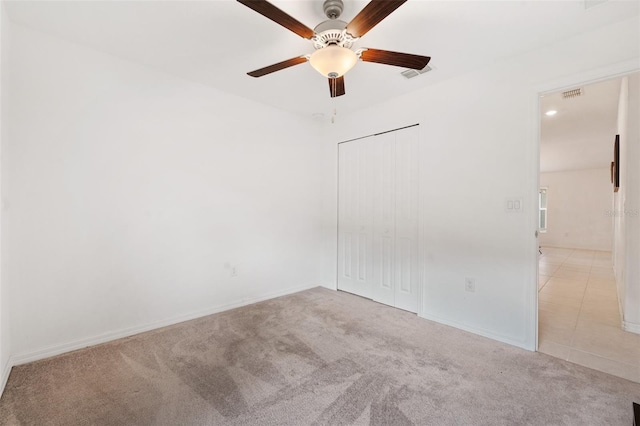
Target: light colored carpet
(315,357)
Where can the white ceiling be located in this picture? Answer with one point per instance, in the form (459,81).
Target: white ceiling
(216,42)
(581,134)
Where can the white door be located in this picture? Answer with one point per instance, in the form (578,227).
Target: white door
(406,214)
(378,218)
(384,219)
(355,219)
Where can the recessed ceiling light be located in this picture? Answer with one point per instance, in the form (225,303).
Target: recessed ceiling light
(551,112)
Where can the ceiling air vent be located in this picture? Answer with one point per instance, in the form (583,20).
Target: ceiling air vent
(573,93)
(415,73)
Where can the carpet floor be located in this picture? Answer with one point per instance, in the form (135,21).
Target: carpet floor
(316,357)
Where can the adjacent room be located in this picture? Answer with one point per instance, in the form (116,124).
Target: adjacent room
(314,212)
(581,309)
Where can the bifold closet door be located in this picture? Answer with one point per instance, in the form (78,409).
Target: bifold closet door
(355,218)
(378,218)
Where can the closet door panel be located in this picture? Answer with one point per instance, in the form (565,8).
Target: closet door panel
(355,219)
(406,219)
(345,217)
(384,246)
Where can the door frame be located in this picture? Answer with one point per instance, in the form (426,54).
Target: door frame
(608,72)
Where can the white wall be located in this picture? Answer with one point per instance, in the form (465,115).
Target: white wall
(128,190)
(579,208)
(478,134)
(627,204)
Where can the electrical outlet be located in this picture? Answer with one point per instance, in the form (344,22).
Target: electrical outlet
(234,271)
(470,284)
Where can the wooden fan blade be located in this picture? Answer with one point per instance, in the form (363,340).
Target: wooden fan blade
(268,10)
(277,67)
(398,59)
(371,15)
(336,86)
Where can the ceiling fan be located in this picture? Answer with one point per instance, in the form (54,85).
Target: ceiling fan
(333,39)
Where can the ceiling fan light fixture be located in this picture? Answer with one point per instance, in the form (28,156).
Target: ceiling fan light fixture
(333,61)
(333,40)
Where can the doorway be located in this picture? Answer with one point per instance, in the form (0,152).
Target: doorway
(579,308)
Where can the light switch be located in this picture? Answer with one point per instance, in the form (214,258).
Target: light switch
(513,205)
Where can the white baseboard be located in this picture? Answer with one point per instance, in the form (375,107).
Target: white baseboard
(130,331)
(631,327)
(5,376)
(481,332)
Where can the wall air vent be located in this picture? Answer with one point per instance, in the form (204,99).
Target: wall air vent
(414,73)
(573,93)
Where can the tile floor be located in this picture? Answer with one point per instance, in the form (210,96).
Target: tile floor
(578,314)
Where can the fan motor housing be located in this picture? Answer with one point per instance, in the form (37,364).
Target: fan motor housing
(332,31)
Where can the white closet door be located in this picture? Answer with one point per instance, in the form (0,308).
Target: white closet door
(355,218)
(378,218)
(384,252)
(406,219)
